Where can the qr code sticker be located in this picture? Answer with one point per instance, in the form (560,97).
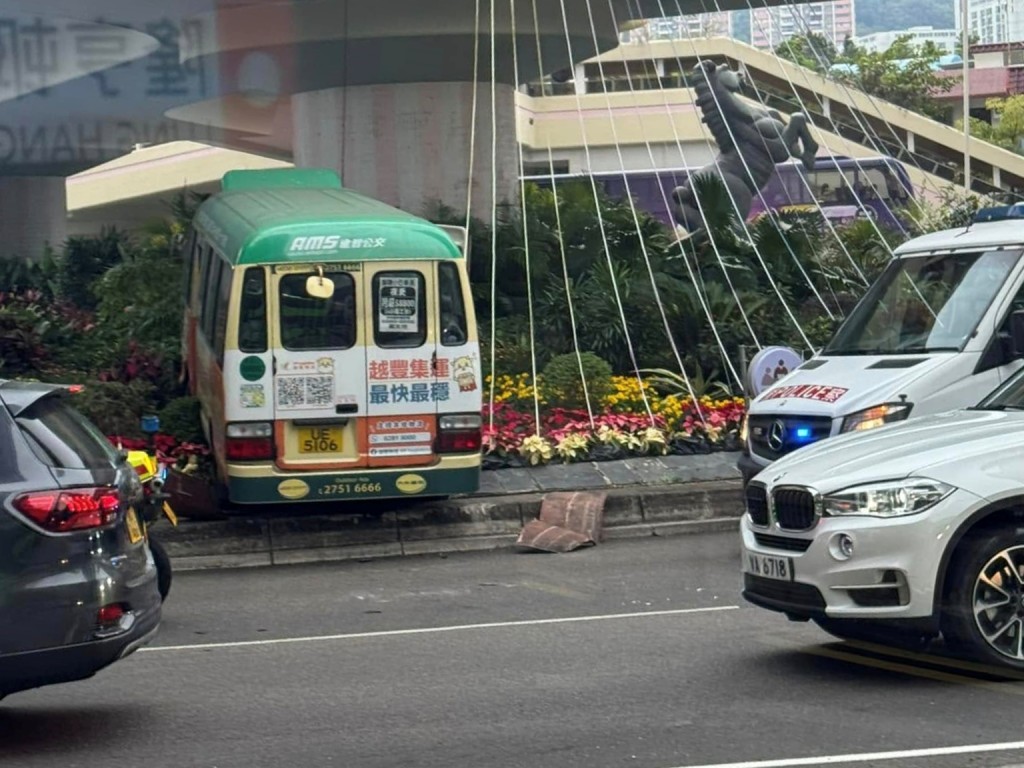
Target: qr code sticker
(305,391)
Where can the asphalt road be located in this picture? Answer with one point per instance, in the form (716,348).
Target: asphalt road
(634,653)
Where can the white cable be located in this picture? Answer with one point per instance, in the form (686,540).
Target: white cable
(862,125)
(494,217)
(841,83)
(526,231)
(472,123)
(740,215)
(561,239)
(600,223)
(696,278)
(811,194)
(636,218)
(857,198)
(668,209)
(860,203)
(711,238)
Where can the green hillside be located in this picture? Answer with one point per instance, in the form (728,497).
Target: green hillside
(884,15)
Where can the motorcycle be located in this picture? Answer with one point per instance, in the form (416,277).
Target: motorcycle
(156,505)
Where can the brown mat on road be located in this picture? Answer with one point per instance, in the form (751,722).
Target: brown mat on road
(567,521)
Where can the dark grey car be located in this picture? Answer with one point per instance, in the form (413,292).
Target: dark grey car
(78,588)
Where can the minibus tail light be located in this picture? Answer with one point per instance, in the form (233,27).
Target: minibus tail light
(249,441)
(459,433)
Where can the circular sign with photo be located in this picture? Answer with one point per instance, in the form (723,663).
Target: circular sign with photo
(771,365)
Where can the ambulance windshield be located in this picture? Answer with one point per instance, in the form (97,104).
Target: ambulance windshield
(924,304)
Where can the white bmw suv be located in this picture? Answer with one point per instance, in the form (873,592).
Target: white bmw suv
(901,533)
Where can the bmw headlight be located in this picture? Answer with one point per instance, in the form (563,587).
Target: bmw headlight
(876,416)
(887,499)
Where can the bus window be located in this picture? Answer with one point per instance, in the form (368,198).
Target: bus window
(834,187)
(399,310)
(220,326)
(252,320)
(189,255)
(203,258)
(209,311)
(310,323)
(453,308)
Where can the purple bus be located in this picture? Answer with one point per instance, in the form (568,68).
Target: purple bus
(841,185)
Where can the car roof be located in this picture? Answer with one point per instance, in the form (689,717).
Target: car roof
(979,236)
(21,395)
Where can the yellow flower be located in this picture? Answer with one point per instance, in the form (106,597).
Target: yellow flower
(536,449)
(571,446)
(652,438)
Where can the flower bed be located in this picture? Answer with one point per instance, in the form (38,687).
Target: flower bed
(630,421)
(625,423)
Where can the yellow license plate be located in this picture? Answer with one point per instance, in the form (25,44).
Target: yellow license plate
(134,529)
(321,439)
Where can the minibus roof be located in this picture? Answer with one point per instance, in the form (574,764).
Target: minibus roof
(288,215)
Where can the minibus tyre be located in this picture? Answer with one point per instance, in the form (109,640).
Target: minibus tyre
(163,568)
(995,552)
(878,633)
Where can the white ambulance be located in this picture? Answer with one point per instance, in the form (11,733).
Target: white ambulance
(941,328)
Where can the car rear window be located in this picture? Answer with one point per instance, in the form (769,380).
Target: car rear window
(63,437)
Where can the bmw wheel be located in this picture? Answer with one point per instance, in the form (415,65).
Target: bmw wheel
(984,611)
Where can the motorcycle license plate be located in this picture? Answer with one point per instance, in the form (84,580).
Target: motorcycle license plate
(134,529)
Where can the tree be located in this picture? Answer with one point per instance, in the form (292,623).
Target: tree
(903,74)
(812,51)
(1007,127)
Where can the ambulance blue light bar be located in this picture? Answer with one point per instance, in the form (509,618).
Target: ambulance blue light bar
(999,213)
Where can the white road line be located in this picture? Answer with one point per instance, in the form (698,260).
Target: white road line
(432,630)
(904,754)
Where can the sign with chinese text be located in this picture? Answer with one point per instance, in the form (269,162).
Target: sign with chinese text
(398,304)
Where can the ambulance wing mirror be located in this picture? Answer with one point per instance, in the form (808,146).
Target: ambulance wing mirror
(318,286)
(1017,332)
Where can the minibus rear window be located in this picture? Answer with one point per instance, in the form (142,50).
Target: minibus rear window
(312,323)
(399,310)
(252,318)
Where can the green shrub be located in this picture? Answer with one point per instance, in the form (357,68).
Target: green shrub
(116,408)
(85,261)
(180,419)
(563,387)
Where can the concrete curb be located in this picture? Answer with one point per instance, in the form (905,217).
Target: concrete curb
(458,525)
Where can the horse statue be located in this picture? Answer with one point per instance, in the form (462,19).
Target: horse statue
(750,139)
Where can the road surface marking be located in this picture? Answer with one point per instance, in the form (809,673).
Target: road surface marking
(433,630)
(864,757)
(940,661)
(837,653)
(909,669)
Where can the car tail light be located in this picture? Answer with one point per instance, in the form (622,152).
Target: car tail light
(459,433)
(109,614)
(249,441)
(80,509)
